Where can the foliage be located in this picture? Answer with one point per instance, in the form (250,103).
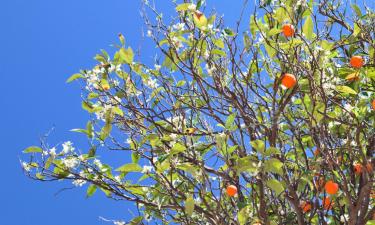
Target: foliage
(214,113)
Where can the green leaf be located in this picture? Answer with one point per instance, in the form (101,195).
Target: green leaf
(275,185)
(357,30)
(271,51)
(346,90)
(87,106)
(219,43)
(130,167)
(74,77)
(33,149)
(218,52)
(243,215)
(273,165)
(90,190)
(356,9)
(246,164)
(117,111)
(106,130)
(274,31)
(136,221)
(258,145)
(308,28)
(229,123)
(229,32)
(189,205)
(126,55)
(183,7)
(177,148)
(181,83)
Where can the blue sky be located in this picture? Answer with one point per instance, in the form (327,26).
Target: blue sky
(42,43)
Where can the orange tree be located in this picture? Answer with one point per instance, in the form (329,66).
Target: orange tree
(271,124)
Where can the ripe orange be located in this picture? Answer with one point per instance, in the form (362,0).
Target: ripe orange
(357,169)
(331,187)
(105,87)
(288,80)
(317,152)
(306,206)
(356,61)
(327,203)
(373,104)
(231,190)
(288,30)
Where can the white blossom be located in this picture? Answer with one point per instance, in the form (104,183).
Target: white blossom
(152,83)
(179,26)
(173,136)
(210,70)
(52,151)
(147,169)
(192,7)
(149,33)
(26,166)
(71,162)
(98,163)
(67,147)
(79,182)
(157,67)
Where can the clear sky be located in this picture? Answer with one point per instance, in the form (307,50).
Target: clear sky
(42,43)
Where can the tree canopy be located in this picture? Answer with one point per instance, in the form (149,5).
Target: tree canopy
(271,124)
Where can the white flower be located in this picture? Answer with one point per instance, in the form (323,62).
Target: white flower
(206,55)
(192,7)
(52,151)
(149,33)
(152,83)
(98,163)
(119,223)
(173,136)
(26,166)
(179,26)
(177,43)
(157,67)
(79,183)
(348,107)
(210,70)
(147,169)
(344,218)
(70,163)
(67,147)
(118,179)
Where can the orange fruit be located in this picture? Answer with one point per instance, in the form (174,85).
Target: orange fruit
(356,61)
(288,80)
(373,104)
(288,30)
(357,169)
(331,187)
(231,190)
(105,87)
(317,152)
(306,206)
(327,203)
